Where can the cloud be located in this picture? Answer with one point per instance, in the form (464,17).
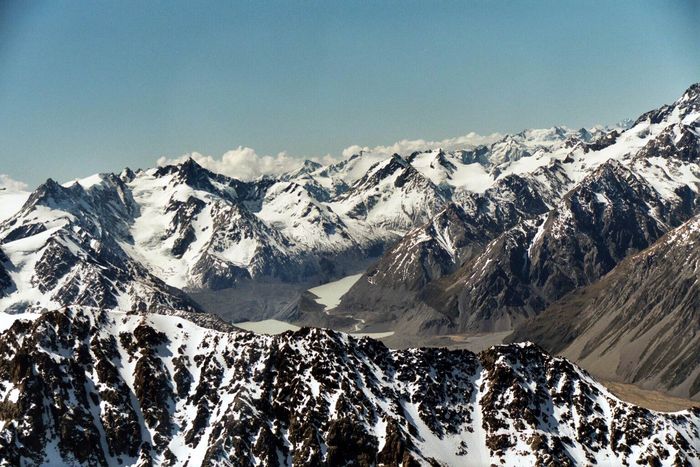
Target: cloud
(245,164)
(11,184)
(406,146)
(241,162)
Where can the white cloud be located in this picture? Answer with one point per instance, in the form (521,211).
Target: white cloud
(10,184)
(245,164)
(406,146)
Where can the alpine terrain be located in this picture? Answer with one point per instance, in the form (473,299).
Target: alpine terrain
(579,248)
(83,386)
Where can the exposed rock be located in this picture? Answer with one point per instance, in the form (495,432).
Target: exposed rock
(640,323)
(313,397)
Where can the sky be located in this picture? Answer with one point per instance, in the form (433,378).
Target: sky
(95,86)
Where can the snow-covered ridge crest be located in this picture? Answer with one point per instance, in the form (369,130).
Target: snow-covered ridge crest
(13,194)
(127,388)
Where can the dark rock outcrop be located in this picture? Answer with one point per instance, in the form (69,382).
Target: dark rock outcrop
(88,387)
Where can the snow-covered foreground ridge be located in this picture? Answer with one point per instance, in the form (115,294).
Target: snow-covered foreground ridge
(82,386)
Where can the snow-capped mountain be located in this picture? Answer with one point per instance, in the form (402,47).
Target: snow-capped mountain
(393,195)
(98,387)
(63,247)
(454,236)
(610,214)
(168,228)
(137,239)
(589,203)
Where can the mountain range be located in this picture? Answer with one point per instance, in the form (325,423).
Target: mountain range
(577,243)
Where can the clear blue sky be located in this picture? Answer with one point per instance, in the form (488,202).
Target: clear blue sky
(95,86)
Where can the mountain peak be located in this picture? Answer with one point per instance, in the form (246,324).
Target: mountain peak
(690,101)
(311,165)
(190,162)
(190,169)
(307,167)
(191,173)
(127,175)
(52,193)
(188,166)
(692,93)
(397,158)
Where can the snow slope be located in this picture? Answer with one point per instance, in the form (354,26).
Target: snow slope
(11,201)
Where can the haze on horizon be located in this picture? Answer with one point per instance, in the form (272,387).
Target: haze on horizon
(94,87)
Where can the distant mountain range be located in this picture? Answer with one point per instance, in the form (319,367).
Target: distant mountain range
(516,251)
(130,240)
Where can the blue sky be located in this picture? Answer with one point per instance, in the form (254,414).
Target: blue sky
(95,86)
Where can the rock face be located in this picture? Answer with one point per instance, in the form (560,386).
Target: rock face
(609,215)
(640,323)
(82,386)
(452,239)
(6,282)
(455,235)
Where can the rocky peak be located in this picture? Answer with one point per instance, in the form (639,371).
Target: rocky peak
(307,168)
(127,175)
(53,195)
(441,159)
(479,154)
(681,143)
(194,175)
(517,192)
(584,134)
(654,116)
(310,166)
(690,101)
(559,132)
(396,161)
(380,172)
(601,141)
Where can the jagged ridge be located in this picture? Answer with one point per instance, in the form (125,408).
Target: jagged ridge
(84,386)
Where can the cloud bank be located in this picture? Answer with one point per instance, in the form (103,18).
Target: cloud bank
(408,146)
(10,184)
(245,164)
